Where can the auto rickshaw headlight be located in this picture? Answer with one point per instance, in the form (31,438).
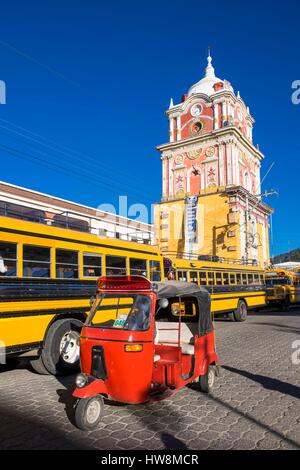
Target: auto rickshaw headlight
(133,347)
(81,380)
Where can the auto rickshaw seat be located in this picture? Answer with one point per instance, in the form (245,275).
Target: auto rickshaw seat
(167,334)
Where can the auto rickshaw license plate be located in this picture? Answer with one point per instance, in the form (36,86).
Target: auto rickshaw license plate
(120,321)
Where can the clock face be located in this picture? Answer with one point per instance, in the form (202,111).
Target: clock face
(210,152)
(196,110)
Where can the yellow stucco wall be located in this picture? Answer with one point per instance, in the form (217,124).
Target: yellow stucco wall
(218,230)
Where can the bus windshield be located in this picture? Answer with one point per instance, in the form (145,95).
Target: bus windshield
(125,311)
(278,281)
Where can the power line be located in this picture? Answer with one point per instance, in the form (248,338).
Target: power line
(87,176)
(108,181)
(41,64)
(71,153)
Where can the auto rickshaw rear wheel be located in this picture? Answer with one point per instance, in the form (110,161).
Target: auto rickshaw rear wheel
(88,412)
(207,381)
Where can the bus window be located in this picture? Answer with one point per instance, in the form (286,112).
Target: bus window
(182,276)
(115,265)
(210,277)
(250,278)
(194,277)
(203,280)
(219,279)
(239,279)
(232,278)
(256,279)
(155,270)
(244,278)
(138,267)
(8,256)
(262,279)
(36,261)
(92,265)
(225,279)
(66,263)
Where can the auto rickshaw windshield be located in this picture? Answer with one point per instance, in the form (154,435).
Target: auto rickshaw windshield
(121,311)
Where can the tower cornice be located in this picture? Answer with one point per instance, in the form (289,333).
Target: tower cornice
(223,135)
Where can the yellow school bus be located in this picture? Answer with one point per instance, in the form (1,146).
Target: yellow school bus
(283,287)
(47,276)
(234,288)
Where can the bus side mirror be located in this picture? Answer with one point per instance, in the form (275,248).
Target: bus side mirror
(163,303)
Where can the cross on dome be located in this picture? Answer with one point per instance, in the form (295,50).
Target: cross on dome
(206,84)
(209,71)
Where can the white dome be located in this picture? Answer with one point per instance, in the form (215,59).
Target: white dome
(206,84)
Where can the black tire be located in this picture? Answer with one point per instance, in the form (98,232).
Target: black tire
(207,381)
(38,366)
(84,418)
(287,304)
(240,314)
(52,357)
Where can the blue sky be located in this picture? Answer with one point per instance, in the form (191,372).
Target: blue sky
(95,78)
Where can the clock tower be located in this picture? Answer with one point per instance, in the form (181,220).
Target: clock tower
(211,203)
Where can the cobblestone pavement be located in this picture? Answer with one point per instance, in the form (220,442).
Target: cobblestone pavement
(255,404)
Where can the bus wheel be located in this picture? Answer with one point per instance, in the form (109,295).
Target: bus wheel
(88,412)
(61,347)
(207,381)
(240,314)
(38,366)
(287,304)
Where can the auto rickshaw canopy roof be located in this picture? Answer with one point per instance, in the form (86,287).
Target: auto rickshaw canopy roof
(179,289)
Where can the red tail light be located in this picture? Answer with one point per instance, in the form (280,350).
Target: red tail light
(123,283)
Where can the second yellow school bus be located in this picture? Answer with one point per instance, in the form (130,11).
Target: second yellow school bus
(47,276)
(234,288)
(283,287)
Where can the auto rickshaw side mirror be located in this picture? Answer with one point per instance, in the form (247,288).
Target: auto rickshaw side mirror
(163,303)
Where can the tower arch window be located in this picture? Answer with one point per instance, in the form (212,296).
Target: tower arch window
(247,181)
(196,127)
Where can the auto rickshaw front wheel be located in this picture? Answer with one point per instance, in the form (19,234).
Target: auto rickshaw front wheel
(88,412)
(207,380)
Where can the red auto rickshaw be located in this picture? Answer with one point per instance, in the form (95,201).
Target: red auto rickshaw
(141,342)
